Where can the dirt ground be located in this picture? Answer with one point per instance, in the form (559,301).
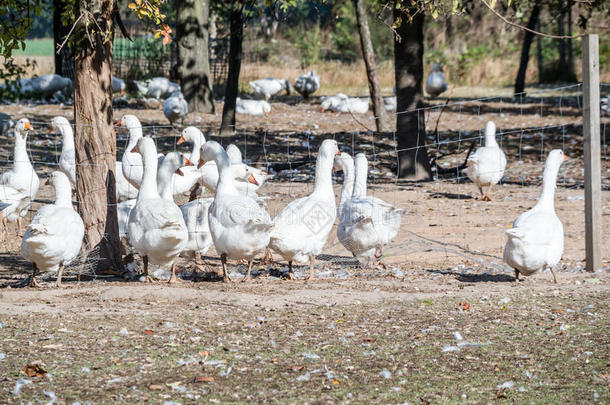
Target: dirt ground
(442,322)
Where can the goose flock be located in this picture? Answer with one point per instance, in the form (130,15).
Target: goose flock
(235,220)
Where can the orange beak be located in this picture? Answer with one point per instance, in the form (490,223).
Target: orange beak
(252,180)
(338,152)
(48,182)
(201,163)
(118,123)
(267,113)
(565,158)
(122,91)
(50,130)
(181,140)
(179,172)
(187,162)
(27,125)
(134,150)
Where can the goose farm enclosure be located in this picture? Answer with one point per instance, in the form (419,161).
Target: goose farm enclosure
(437,318)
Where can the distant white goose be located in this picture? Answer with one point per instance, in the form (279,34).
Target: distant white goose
(6,123)
(390,103)
(485,167)
(239,226)
(67,160)
(265,88)
(156,228)
(366,223)
(118,85)
(48,84)
(535,241)
(124,189)
(190,174)
(301,229)
(131,163)
(307,84)
(260,175)
(157,87)
(175,107)
(22,176)
(332,102)
(55,236)
(354,105)
(435,82)
(252,107)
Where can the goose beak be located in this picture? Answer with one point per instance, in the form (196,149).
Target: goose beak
(48,182)
(179,172)
(252,180)
(27,126)
(187,162)
(338,152)
(201,163)
(122,92)
(118,123)
(50,130)
(134,150)
(565,158)
(181,140)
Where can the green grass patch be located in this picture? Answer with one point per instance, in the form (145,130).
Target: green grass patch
(37,47)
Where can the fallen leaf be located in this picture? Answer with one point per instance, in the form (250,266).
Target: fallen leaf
(204,353)
(557,311)
(295,368)
(335,381)
(148,331)
(274,360)
(155,387)
(200,378)
(369,339)
(34,370)
(53,346)
(463,306)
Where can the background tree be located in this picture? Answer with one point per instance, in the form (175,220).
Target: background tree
(368,54)
(528,36)
(60,30)
(192,33)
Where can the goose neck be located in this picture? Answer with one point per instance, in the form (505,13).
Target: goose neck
(148,187)
(21,155)
(360,180)
(549,183)
(63,195)
(226,177)
(324,181)
(348,185)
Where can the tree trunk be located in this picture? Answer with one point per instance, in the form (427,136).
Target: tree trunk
(571,73)
(95,139)
(227,127)
(413,162)
(562,44)
(368,53)
(193,58)
(525,50)
(539,52)
(59,32)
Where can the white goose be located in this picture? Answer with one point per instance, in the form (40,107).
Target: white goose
(156,229)
(307,84)
(12,204)
(67,160)
(485,167)
(190,174)
(535,241)
(49,83)
(157,87)
(55,236)
(239,226)
(241,183)
(131,161)
(170,166)
(124,189)
(22,176)
(252,107)
(175,107)
(265,88)
(435,82)
(118,85)
(366,223)
(301,229)
(354,105)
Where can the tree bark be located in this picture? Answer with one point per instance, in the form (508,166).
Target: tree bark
(193,58)
(413,162)
(95,139)
(59,32)
(227,126)
(571,73)
(525,50)
(368,54)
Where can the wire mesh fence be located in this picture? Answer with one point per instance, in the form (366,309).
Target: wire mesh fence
(445,227)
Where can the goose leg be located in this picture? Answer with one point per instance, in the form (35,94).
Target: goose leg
(312,260)
(554,275)
(32,281)
(19,226)
(290,272)
(60,273)
(148,278)
(516,275)
(225,273)
(173,278)
(249,270)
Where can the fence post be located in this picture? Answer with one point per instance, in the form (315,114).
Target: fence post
(591,125)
